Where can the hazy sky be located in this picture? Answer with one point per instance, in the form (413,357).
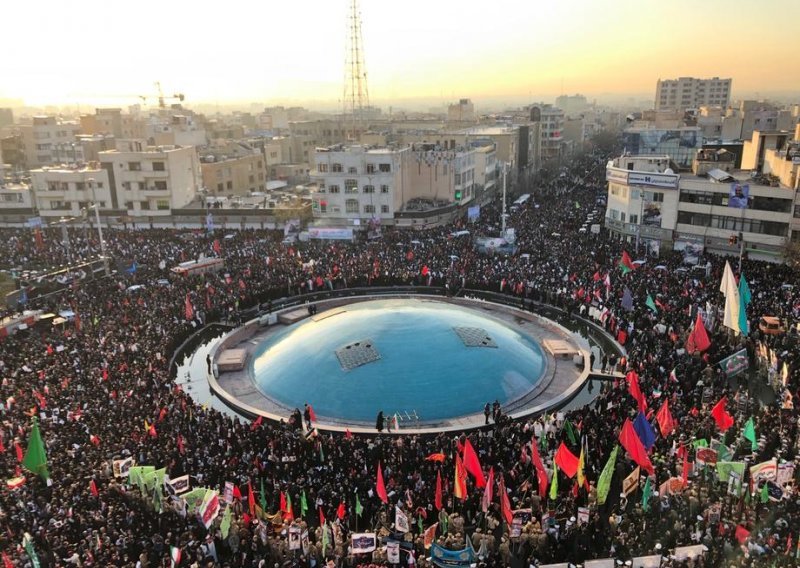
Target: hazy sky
(109,51)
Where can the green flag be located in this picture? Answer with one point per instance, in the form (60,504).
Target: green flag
(651,304)
(604,482)
(27,543)
(750,434)
(646,495)
(303,504)
(444,520)
(325,539)
(262,498)
(225,527)
(570,432)
(701,443)
(35,459)
(724,469)
(554,483)
(764,493)
(359,507)
(193,498)
(419,523)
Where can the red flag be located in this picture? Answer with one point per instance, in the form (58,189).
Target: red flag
(437,500)
(435,457)
(6,560)
(596,276)
(312,414)
(460,480)
(566,460)
(487,492)
(348,435)
(93,488)
(665,421)
(251,499)
(633,445)
(105,373)
(163,414)
(723,419)
(256,423)
(94,440)
(698,339)
(472,465)
(2,447)
(189,310)
(685,474)
(236,493)
(380,488)
(321,517)
(20,454)
(152,430)
(217,247)
(626,261)
(181,449)
(541,473)
(636,392)
(340,511)
(505,504)
(742,534)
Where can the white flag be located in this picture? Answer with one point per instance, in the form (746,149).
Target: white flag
(400,520)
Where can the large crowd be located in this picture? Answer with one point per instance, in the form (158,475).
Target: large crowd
(101,389)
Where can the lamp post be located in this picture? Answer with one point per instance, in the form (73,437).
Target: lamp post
(503,217)
(96,208)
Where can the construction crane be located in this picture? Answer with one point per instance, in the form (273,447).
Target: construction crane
(161,97)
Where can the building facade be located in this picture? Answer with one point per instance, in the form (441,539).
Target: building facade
(151,180)
(67,191)
(689,92)
(236,175)
(43,135)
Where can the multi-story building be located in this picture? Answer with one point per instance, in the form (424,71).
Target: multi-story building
(680,144)
(358,183)
(653,208)
(111,121)
(151,180)
(43,135)
(572,104)
(12,151)
(167,128)
(6,117)
(85,148)
(485,169)
(65,191)
(228,173)
(462,111)
(689,92)
(551,133)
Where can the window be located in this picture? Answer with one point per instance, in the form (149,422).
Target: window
(252,179)
(351,206)
(135,166)
(144,206)
(622,216)
(129,205)
(158,167)
(322,167)
(351,186)
(336,168)
(384,208)
(370,168)
(99,185)
(275,155)
(385,168)
(384,189)
(369,209)
(220,187)
(160,185)
(80,186)
(162,204)
(229,185)
(333,189)
(352,170)
(323,206)
(654,196)
(369,189)
(634,218)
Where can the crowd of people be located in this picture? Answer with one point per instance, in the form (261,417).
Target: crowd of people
(101,389)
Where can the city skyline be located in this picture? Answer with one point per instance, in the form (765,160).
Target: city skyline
(428,52)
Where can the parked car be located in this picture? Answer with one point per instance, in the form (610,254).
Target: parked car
(771,325)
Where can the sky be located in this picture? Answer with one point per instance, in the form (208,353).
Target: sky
(110,52)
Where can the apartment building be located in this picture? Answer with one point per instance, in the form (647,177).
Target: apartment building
(228,174)
(111,121)
(43,135)
(151,180)
(462,111)
(689,92)
(64,191)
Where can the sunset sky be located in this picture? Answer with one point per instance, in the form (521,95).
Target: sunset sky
(109,51)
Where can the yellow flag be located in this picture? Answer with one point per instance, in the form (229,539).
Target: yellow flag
(581,476)
(146,425)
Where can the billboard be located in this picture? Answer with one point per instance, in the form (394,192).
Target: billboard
(331,233)
(739,195)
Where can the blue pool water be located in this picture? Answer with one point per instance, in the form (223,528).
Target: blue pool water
(424,365)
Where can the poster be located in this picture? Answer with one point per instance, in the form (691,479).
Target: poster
(583,515)
(651,209)
(294,538)
(228,493)
(393,552)
(122,468)
(739,195)
(735,364)
(362,543)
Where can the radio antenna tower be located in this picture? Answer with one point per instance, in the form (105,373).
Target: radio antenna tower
(356,93)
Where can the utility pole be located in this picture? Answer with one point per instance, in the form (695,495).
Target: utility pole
(96,208)
(503,223)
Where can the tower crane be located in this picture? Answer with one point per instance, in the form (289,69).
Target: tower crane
(161,97)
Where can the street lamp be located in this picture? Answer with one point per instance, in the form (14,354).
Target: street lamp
(96,208)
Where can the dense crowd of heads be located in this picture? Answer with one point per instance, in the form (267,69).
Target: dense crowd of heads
(94,383)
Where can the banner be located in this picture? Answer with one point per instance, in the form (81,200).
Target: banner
(735,364)
(393,552)
(122,468)
(228,493)
(178,485)
(785,474)
(429,536)
(767,470)
(739,195)
(583,515)
(705,456)
(670,486)
(725,467)
(631,483)
(363,543)
(474,213)
(443,558)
